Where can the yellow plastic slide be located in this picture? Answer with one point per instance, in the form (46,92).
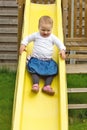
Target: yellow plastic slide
(40,111)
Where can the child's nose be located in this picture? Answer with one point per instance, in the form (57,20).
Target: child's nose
(45,32)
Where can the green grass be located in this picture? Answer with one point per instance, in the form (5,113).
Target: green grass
(7,83)
(78,126)
(77,118)
(77,81)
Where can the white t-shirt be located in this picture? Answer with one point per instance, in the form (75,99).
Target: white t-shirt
(43,47)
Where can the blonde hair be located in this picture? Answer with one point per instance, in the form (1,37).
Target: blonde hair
(46,19)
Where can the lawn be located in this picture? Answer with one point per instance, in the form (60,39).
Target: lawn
(7,83)
(77,118)
(79,126)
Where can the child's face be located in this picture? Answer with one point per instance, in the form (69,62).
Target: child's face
(45,29)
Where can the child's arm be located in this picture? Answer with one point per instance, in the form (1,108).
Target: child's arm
(25,41)
(62,54)
(22,48)
(60,45)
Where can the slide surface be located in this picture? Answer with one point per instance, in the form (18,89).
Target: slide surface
(40,111)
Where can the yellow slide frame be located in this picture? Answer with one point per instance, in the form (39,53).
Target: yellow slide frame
(39,111)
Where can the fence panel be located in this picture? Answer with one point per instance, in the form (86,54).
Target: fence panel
(75,30)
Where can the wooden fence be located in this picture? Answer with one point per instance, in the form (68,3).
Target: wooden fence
(8,34)
(77,90)
(75,32)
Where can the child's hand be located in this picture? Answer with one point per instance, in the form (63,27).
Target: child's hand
(62,54)
(22,48)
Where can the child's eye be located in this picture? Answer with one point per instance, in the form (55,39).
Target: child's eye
(43,30)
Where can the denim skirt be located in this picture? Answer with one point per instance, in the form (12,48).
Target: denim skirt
(42,67)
